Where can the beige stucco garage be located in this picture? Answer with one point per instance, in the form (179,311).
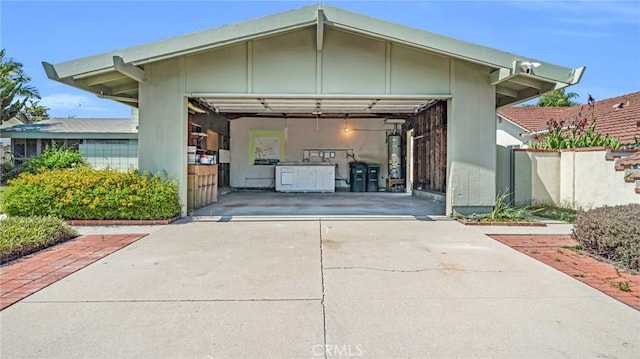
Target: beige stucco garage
(309,73)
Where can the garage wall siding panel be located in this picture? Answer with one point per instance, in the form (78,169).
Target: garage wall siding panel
(418,72)
(221,70)
(162,136)
(352,63)
(285,63)
(472,140)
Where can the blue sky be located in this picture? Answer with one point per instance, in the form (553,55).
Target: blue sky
(604,36)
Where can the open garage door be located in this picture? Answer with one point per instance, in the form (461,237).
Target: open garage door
(311,130)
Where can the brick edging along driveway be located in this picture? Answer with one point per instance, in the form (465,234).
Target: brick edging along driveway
(558,252)
(23,277)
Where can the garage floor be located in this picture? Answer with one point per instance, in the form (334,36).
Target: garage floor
(260,203)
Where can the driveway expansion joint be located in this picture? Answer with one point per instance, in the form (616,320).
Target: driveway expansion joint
(324,310)
(178,300)
(417,270)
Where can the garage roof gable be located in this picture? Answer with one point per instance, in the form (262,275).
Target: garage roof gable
(115,74)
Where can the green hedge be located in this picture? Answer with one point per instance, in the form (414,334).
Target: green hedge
(54,158)
(86,193)
(612,233)
(20,236)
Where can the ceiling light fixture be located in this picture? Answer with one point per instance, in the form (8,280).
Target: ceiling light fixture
(195,108)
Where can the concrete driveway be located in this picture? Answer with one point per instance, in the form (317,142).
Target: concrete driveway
(316,288)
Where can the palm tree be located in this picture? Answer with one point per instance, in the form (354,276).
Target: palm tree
(15,90)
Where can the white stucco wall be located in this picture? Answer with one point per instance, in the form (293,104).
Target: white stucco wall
(471,143)
(537,177)
(368,145)
(579,179)
(589,181)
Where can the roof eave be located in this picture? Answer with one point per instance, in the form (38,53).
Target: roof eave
(546,78)
(191,43)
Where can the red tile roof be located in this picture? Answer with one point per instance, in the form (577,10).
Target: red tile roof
(617,116)
(631,160)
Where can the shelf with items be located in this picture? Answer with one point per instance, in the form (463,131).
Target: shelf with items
(202,186)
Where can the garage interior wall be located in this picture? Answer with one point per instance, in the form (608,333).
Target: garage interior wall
(430,148)
(367,138)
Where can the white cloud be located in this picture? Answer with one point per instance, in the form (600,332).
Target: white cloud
(586,12)
(67,104)
(64,101)
(590,34)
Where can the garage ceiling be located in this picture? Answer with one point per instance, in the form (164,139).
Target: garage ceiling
(265,105)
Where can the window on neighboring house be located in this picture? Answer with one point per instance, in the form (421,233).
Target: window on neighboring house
(24,149)
(75,144)
(48,143)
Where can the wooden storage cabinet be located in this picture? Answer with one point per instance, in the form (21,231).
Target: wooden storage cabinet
(202,185)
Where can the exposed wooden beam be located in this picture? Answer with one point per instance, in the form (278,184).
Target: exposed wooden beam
(526,81)
(128,69)
(102,78)
(119,98)
(116,90)
(101,90)
(507,92)
(320,30)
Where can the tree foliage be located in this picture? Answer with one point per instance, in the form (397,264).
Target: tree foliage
(15,90)
(34,112)
(558,98)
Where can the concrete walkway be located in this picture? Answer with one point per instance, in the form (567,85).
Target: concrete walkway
(315,288)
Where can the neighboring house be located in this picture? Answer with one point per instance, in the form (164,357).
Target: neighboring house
(293,81)
(618,116)
(103,142)
(5,143)
(590,177)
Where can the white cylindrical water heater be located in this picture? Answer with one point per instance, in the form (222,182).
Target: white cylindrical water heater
(395,153)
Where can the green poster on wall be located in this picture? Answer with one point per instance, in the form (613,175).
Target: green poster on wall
(266,147)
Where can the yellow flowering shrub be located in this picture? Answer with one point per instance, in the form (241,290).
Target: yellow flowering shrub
(87,193)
